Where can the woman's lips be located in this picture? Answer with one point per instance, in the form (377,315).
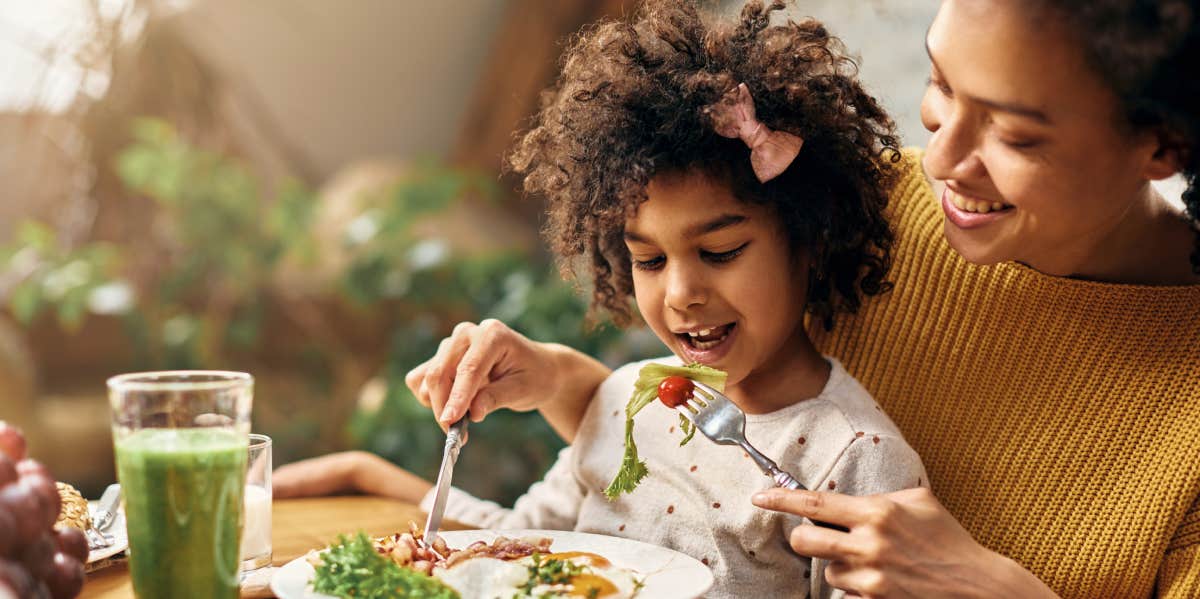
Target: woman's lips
(707,352)
(969,213)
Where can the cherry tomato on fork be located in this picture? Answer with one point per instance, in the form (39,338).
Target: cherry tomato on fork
(675,391)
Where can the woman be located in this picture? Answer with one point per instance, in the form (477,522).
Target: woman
(1044,364)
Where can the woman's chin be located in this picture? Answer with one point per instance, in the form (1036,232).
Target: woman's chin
(974,250)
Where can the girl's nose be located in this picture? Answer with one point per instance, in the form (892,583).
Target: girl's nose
(685,288)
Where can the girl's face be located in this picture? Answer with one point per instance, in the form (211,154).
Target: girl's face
(715,278)
(1026,141)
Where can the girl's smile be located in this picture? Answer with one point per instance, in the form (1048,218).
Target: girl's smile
(717,281)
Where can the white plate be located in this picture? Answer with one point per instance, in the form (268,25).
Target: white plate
(668,574)
(116,531)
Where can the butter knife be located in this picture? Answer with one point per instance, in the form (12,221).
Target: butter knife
(454,441)
(106,508)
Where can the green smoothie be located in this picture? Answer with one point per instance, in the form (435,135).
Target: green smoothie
(183,509)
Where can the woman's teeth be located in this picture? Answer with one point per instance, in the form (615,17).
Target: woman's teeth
(977,206)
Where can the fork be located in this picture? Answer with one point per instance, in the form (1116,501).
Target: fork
(725,424)
(96,539)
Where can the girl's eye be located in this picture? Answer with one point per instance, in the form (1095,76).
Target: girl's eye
(723,256)
(654,263)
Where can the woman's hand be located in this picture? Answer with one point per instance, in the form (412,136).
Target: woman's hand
(901,544)
(485,366)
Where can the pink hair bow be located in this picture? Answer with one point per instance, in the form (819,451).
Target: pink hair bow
(770,151)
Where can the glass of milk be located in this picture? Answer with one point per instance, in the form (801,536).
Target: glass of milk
(256,530)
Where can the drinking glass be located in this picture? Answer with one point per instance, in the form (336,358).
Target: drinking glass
(181,447)
(256,534)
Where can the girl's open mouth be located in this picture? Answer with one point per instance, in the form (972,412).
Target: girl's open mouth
(707,345)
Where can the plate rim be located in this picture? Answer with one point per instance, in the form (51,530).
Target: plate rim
(305,569)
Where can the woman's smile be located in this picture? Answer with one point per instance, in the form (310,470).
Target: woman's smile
(966,212)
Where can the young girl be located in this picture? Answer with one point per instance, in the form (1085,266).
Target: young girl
(719,176)
(716,174)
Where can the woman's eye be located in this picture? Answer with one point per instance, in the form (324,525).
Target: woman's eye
(654,263)
(723,256)
(1020,144)
(940,85)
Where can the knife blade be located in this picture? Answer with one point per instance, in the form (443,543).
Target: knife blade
(454,441)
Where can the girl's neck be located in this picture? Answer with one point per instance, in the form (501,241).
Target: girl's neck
(798,372)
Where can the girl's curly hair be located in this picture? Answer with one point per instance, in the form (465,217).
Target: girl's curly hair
(1148,52)
(631,102)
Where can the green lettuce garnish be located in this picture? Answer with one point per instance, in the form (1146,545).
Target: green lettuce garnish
(645,390)
(352,568)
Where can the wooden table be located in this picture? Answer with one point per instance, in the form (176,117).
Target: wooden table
(297,525)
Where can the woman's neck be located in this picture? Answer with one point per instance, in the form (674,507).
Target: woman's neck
(1152,245)
(798,372)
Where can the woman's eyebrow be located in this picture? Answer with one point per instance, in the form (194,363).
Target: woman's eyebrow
(1009,107)
(716,224)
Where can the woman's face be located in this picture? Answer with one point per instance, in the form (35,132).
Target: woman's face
(1026,140)
(715,278)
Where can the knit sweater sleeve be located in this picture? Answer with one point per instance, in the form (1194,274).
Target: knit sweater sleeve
(551,504)
(1179,574)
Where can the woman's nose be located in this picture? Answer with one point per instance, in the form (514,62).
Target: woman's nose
(951,151)
(685,288)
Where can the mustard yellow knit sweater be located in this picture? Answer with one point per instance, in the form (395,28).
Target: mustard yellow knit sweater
(1059,420)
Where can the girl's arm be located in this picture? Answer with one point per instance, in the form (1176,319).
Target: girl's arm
(485,366)
(901,544)
(348,472)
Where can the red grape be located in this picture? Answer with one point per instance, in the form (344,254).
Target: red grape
(8,469)
(46,492)
(36,561)
(66,578)
(26,509)
(72,542)
(38,557)
(16,578)
(12,441)
(30,467)
(8,534)
(675,390)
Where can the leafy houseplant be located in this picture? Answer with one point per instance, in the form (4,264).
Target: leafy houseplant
(203,290)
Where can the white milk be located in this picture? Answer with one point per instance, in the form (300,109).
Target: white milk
(256,535)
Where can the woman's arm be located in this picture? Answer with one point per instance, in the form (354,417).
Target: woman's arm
(901,544)
(482,367)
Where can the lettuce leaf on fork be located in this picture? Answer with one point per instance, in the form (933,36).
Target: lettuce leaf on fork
(645,390)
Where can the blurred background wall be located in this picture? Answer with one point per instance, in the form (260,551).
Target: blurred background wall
(307,190)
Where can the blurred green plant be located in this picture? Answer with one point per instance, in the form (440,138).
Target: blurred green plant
(200,293)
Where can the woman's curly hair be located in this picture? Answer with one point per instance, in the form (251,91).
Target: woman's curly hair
(1148,51)
(632,101)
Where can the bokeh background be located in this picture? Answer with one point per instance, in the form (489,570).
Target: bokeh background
(306,190)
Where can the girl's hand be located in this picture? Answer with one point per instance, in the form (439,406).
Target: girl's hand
(901,544)
(485,366)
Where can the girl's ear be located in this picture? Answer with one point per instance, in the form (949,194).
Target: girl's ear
(1168,157)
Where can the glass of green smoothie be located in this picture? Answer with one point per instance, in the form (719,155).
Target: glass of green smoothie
(181,441)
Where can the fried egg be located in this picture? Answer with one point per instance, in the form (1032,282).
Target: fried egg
(491,578)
